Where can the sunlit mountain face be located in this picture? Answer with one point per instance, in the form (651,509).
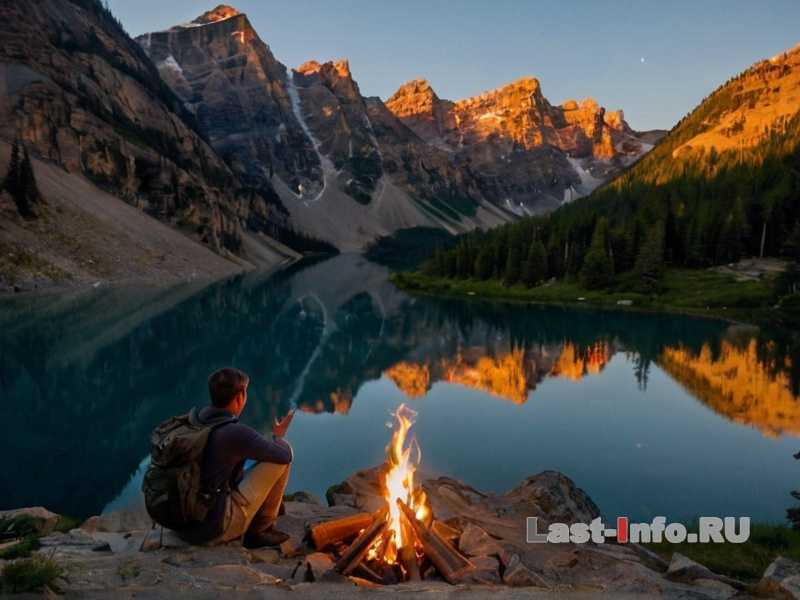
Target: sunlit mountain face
(336,340)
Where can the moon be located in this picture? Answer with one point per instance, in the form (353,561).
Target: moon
(642,59)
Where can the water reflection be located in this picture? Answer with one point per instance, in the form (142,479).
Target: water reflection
(83,380)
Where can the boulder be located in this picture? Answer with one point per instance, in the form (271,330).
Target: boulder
(303,496)
(42,519)
(781,579)
(317,565)
(685,570)
(557,497)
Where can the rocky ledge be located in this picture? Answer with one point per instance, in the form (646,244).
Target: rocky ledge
(119,555)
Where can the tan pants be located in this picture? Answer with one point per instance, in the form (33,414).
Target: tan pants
(255,503)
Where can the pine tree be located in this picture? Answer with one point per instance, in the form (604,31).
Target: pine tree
(20,182)
(513,270)
(11,181)
(598,268)
(649,267)
(27,180)
(535,268)
(484,263)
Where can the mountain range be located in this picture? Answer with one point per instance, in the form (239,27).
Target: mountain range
(720,187)
(203,129)
(349,168)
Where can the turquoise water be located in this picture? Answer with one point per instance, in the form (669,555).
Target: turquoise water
(650,414)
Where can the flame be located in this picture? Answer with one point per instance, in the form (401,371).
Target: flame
(401,461)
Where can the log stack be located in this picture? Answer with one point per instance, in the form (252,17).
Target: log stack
(351,538)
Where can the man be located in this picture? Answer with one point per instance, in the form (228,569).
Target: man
(248,503)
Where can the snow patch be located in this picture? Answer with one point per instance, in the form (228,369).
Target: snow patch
(588,181)
(328,170)
(171,63)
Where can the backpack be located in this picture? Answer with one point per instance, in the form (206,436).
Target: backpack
(173,494)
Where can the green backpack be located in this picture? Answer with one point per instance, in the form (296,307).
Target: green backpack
(173,493)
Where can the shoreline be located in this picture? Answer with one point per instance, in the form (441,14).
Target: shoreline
(614,300)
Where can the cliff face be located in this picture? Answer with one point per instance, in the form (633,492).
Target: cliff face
(524,151)
(229,79)
(78,91)
(346,169)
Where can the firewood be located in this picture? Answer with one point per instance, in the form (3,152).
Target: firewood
(447,560)
(329,533)
(408,554)
(361,545)
(369,573)
(447,532)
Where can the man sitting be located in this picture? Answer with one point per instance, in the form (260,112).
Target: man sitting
(249,499)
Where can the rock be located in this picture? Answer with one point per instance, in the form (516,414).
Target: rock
(293,547)
(317,564)
(42,519)
(306,497)
(557,496)
(682,568)
(517,574)
(233,576)
(264,555)
(151,541)
(781,579)
(123,520)
(685,570)
(281,571)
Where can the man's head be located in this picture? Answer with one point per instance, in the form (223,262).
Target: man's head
(228,389)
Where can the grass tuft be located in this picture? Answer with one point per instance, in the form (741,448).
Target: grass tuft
(29,575)
(22,549)
(746,561)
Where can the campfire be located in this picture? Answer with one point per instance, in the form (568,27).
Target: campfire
(402,541)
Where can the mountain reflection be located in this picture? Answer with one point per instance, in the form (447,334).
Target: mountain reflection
(84,380)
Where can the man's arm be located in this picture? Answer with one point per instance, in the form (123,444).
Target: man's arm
(250,444)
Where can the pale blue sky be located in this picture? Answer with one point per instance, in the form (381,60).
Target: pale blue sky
(576,49)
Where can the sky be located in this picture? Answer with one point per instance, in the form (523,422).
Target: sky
(654,59)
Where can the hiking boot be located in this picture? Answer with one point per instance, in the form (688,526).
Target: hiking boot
(261,539)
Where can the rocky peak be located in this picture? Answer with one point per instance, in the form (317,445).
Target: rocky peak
(220,13)
(418,106)
(335,76)
(229,78)
(516,91)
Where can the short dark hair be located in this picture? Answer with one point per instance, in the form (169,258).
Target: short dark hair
(224,384)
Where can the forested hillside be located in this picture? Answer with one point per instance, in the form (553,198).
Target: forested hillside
(723,185)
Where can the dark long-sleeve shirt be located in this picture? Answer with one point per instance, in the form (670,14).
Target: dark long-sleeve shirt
(222,468)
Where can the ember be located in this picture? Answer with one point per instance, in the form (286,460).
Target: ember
(395,542)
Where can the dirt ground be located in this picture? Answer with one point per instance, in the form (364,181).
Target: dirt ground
(87,237)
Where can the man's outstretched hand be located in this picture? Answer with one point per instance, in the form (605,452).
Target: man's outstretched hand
(279,428)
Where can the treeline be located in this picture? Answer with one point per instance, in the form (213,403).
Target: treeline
(705,209)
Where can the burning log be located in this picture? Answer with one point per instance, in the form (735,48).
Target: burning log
(447,560)
(359,548)
(408,554)
(329,533)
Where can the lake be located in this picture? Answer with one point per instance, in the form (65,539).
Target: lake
(650,414)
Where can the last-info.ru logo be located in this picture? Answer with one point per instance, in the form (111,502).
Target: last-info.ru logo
(710,530)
